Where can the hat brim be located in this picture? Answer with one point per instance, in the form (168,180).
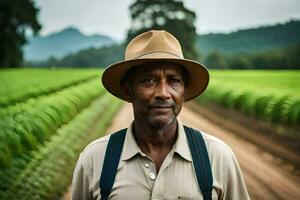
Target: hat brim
(198,75)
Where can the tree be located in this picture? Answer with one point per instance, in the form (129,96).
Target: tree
(170,15)
(240,61)
(215,60)
(15,18)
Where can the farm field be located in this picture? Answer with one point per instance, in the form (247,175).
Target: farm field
(18,85)
(47,117)
(270,95)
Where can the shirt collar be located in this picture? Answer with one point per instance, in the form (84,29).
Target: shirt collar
(130,146)
(181,145)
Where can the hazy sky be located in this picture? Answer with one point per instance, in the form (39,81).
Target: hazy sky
(111,17)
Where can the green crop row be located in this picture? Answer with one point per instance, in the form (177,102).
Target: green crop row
(47,174)
(265,104)
(26,106)
(20,85)
(33,92)
(29,127)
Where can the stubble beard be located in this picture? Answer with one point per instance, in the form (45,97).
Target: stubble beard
(158,121)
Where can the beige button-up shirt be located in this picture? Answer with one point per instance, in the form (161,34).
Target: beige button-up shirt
(137,178)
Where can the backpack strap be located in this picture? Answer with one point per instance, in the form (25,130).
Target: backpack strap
(111,162)
(200,161)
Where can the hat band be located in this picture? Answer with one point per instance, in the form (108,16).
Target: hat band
(159,55)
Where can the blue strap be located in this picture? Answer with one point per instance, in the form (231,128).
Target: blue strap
(201,162)
(111,162)
(198,150)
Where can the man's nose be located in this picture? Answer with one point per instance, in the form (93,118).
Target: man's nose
(162,91)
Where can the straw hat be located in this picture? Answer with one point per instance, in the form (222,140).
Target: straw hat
(155,45)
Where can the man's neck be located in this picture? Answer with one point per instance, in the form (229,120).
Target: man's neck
(155,139)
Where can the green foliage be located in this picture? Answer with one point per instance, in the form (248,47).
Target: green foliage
(261,105)
(15,18)
(41,137)
(293,111)
(215,60)
(21,85)
(278,110)
(226,98)
(244,103)
(100,57)
(169,15)
(92,57)
(47,174)
(269,95)
(251,40)
(239,62)
(286,58)
(36,125)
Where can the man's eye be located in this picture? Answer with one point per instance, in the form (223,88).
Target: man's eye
(148,81)
(175,80)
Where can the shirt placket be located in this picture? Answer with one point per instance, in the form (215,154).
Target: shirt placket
(158,180)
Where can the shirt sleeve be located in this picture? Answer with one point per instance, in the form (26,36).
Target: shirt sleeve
(235,188)
(81,182)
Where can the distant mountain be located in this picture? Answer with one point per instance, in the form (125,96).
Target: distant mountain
(256,43)
(62,43)
(251,40)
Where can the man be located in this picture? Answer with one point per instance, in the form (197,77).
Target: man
(159,158)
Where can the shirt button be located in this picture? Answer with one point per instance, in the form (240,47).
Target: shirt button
(152,176)
(146,165)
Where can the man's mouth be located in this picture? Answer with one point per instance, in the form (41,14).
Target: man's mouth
(161,108)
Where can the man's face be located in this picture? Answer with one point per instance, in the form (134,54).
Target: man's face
(157,92)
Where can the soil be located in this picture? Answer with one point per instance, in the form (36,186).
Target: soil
(267,175)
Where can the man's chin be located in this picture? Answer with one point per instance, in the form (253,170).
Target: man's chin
(160,122)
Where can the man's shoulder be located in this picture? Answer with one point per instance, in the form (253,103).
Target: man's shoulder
(215,143)
(95,150)
(212,141)
(97,144)
(220,154)
(216,147)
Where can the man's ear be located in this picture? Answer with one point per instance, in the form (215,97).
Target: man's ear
(127,91)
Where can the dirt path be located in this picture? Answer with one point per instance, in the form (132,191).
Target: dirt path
(265,177)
